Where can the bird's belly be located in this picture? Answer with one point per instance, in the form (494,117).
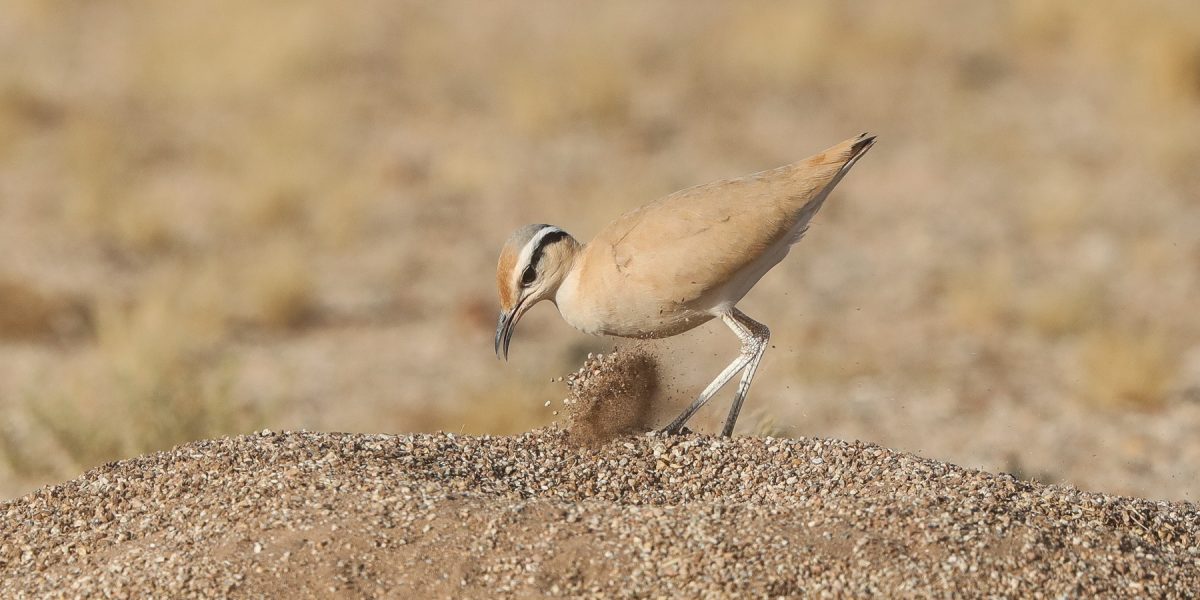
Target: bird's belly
(653,326)
(631,313)
(723,297)
(636,308)
(645,320)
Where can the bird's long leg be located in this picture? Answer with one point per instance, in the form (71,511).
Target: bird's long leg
(743,326)
(760,337)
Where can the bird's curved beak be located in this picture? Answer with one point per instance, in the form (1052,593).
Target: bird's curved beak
(505,327)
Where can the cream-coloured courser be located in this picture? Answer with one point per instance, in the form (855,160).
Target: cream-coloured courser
(675,263)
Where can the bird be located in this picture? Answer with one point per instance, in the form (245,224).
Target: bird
(674,264)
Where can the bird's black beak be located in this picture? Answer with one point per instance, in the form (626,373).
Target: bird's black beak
(505,327)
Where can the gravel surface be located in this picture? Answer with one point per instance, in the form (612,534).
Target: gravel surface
(431,515)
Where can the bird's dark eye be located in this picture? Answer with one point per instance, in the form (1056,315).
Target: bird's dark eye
(528,277)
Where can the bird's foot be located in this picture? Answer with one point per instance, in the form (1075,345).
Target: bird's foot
(676,430)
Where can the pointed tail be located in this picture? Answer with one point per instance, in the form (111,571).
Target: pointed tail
(841,157)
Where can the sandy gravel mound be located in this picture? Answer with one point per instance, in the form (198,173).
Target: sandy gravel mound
(324,515)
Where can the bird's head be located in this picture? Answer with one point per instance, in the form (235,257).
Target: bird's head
(533,263)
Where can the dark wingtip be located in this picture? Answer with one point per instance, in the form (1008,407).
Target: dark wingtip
(864,142)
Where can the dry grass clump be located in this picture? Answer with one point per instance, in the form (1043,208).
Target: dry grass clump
(278,288)
(1059,309)
(28,313)
(108,199)
(612,395)
(581,85)
(1127,368)
(505,407)
(777,46)
(979,299)
(158,377)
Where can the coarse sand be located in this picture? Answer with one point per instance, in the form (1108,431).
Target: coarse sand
(301,515)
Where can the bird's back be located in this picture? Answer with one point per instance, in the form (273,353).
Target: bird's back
(667,265)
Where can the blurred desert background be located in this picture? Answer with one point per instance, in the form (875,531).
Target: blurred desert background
(219,216)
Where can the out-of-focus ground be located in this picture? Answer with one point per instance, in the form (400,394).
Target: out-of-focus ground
(219,215)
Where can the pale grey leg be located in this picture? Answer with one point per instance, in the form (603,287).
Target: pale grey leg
(760,337)
(753,336)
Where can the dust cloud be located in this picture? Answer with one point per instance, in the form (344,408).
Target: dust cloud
(613,395)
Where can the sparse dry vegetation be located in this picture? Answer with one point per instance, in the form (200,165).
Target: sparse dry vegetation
(32,314)
(1127,369)
(210,210)
(502,408)
(158,376)
(279,288)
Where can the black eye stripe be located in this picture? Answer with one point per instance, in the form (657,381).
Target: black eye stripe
(546,240)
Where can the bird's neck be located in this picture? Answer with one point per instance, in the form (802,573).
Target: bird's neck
(568,264)
(569,297)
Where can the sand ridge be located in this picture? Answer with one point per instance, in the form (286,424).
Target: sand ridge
(433,515)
